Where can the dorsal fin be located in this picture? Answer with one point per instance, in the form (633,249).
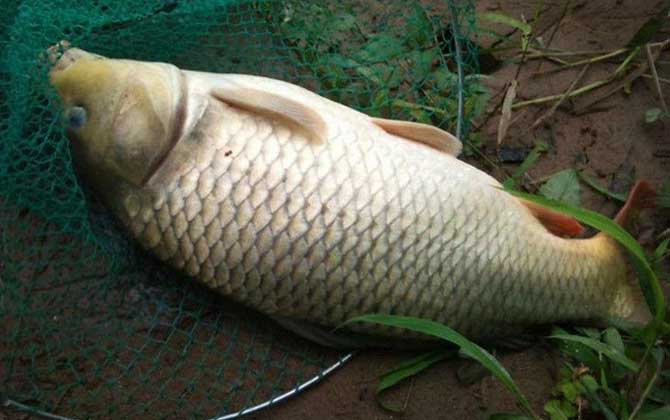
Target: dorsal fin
(423,133)
(263,102)
(556,223)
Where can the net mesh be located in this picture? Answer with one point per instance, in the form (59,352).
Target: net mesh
(92,327)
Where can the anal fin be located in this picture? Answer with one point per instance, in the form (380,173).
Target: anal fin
(317,334)
(556,223)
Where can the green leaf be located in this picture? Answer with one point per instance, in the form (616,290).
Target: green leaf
(589,332)
(555,411)
(591,387)
(380,48)
(613,338)
(340,61)
(660,253)
(496,17)
(602,223)
(407,369)
(589,382)
(563,186)
(466,346)
(569,391)
(342,22)
(602,407)
(600,347)
(569,409)
(593,184)
(650,28)
(422,63)
(419,27)
(652,115)
(475,104)
(370,73)
(582,354)
(420,116)
(657,353)
(662,413)
(661,249)
(444,79)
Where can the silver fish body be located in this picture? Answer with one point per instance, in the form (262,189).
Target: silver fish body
(356,221)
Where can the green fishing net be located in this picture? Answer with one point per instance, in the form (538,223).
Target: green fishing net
(91,326)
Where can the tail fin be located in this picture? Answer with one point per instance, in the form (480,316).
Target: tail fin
(642,196)
(630,307)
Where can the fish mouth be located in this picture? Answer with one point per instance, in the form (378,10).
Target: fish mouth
(63,55)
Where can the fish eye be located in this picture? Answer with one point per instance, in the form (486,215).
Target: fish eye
(76,117)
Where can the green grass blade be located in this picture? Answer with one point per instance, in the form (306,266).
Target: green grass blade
(411,367)
(407,369)
(602,190)
(469,348)
(600,347)
(660,254)
(604,409)
(662,248)
(658,366)
(610,227)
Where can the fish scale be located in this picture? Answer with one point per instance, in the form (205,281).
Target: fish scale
(246,186)
(316,212)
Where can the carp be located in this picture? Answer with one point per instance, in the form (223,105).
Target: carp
(313,213)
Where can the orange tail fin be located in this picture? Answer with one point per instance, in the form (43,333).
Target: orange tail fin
(642,196)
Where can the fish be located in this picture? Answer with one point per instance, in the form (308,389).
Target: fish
(313,213)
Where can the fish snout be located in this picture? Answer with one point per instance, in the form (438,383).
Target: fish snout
(62,56)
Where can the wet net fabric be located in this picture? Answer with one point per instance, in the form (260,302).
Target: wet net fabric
(91,326)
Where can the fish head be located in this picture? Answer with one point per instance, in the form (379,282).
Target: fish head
(122,116)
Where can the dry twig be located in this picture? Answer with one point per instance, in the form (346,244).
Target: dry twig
(642,68)
(506,114)
(660,79)
(563,98)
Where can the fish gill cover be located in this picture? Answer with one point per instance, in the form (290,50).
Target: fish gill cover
(92,327)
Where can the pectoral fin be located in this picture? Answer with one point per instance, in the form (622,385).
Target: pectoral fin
(556,223)
(274,105)
(422,133)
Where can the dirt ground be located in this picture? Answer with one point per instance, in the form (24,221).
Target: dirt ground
(608,139)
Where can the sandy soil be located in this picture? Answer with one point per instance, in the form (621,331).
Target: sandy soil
(609,140)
